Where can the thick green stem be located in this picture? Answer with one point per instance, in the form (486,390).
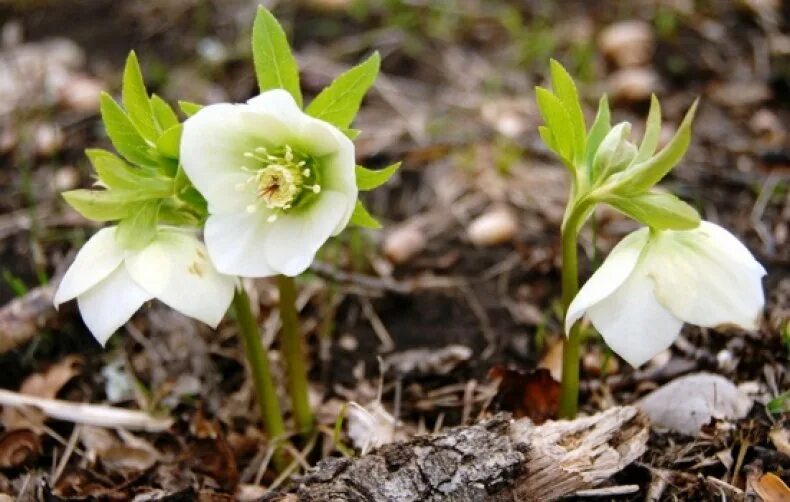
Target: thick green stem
(569,391)
(258,358)
(294,355)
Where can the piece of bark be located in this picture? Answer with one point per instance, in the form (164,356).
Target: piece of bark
(498,460)
(22,318)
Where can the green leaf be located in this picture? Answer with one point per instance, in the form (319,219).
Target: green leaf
(169,142)
(135,99)
(565,90)
(362,218)
(99,205)
(275,64)
(641,177)
(165,115)
(557,119)
(652,132)
(659,210)
(123,134)
(368,179)
(117,174)
(548,138)
(139,228)
(351,133)
(600,128)
(189,108)
(339,103)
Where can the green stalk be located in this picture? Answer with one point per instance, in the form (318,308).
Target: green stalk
(258,358)
(571,351)
(294,355)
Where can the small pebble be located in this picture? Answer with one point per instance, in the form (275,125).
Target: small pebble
(628,43)
(633,84)
(403,244)
(492,228)
(81,93)
(66,178)
(348,343)
(48,139)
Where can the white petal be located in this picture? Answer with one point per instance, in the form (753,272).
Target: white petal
(236,243)
(707,277)
(294,238)
(280,104)
(107,306)
(632,321)
(610,275)
(213,145)
(176,270)
(338,174)
(94,262)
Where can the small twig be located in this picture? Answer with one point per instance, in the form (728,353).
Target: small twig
(387,344)
(608,491)
(88,414)
(75,434)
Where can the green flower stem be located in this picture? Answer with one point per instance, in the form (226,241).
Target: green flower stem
(571,351)
(261,374)
(294,354)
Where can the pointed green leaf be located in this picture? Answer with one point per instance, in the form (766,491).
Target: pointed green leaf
(165,115)
(189,108)
(557,119)
(135,99)
(351,133)
(368,179)
(123,134)
(600,128)
(275,64)
(641,177)
(169,142)
(139,228)
(117,174)
(362,218)
(339,103)
(652,132)
(548,138)
(99,205)
(659,210)
(565,90)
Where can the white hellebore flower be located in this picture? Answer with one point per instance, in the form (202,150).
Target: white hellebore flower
(651,283)
(110,283)
(278,183)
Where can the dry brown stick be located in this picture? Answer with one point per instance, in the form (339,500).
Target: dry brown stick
(23,317)
(499,459)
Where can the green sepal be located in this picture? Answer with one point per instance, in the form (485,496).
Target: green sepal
(368,179)
(362,218)
(165,115)
(169,142)
(139,228)
(189,108)
(652,132)
(339,102)
(135,99)
(275,64)
(565,90)
(99,205)
(123,134)
(599,129)
(641,177)
(557,119)
(659,210)
(351,133)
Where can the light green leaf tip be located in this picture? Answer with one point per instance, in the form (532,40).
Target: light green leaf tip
(565,90)
(275,64)
(368,179)
(135,99)
(362,218)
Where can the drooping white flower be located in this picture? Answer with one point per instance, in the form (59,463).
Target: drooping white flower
(110,283)
(653,282)
(278,183)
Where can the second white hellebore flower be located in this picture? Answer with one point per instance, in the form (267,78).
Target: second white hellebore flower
(278,183)
(110,283)
(653,282)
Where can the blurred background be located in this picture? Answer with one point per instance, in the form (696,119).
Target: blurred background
(469,251)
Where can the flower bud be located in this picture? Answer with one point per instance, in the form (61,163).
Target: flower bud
(615,152)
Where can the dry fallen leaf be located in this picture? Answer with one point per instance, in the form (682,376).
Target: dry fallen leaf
(780,437)
(771,488)
(689,402)
(18,448)
(535,394)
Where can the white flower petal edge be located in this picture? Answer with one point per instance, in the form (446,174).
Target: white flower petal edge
(97,259)
(173,268)
(176,270)
(651,284)
(281,186)
(107,306)
(610,275)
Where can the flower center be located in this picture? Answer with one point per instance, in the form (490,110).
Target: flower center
(282,179)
